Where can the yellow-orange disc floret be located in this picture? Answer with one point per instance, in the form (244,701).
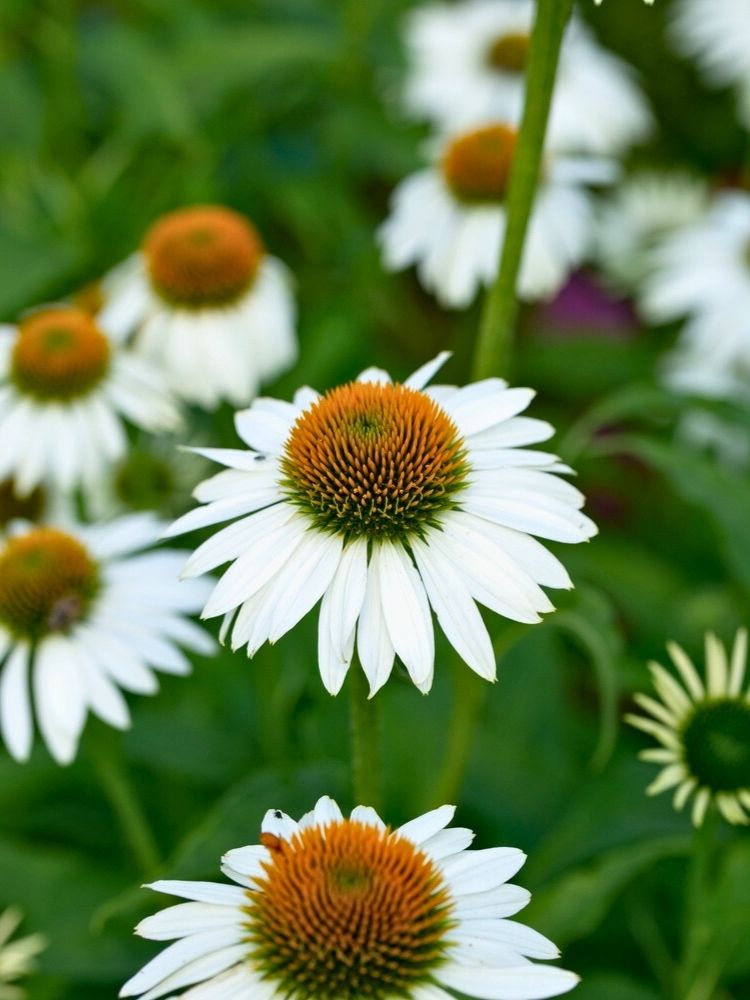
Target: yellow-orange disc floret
(508,53)
(347,911)
(59,354)
(47,582)
(476,165)
(206,255)
(374,460)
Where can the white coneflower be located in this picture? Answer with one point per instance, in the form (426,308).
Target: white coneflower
(66,390)
(467,65)
(702,273)
(449,219)
(704,730)
(717,35)
(85,612)
(641,212)
(335,907)
(208,303)
(386,501)
(16,957)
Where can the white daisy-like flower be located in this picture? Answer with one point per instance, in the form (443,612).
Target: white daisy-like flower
(386,501)
(66,391)
(336,907)
(638,215)
(208,303)
(16,957)
(702,272)
(449,219)
(717,35)
(467,63)
(703,729)
(85,611)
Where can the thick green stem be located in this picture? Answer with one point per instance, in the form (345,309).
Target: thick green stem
(365,729)
(118,788)
(494,343)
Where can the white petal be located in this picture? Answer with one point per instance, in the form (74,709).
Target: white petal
(406,611)
(425,826)
(339,610)
(528,982)
(202,892)
(475,871)
(374,644)
(15,703)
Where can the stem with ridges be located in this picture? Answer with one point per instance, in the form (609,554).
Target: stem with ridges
(365,733)
(131,817)
(492,352)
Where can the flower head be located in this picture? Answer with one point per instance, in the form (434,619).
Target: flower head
(704,730)
(449,219)
(717,36)
(345,908)
(205,300)
(83,613)
(16,957)
(66,390)
(702,271)
(467,63)
(385,500)
(638,216)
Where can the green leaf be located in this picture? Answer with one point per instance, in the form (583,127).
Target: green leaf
(721,494)
(573,905)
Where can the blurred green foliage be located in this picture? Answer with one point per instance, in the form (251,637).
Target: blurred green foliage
(287,110)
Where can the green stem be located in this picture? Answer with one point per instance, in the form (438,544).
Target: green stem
(493,347)
(365,730)
(118,788)
(695,981)
(470,696)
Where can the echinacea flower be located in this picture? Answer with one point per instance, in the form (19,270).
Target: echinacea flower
(449,219)
(207,302)
(84,611)
(385,500)
(67,388)
(467,65)
(16,957)
(717,35)
(703,729)
(637,216)
(335,907)
(701,272)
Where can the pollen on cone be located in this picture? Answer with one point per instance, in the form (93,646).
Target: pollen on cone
(353,891)
(477,164)
(201,256)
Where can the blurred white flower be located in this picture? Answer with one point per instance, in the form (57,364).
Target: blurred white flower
(66,390)
(386,501)
(717,35)
(704,730)
(450,218)
(207,302)
(85,612)
(467,63)
(637,215)
(335,907)
(16,957)
(702,272)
